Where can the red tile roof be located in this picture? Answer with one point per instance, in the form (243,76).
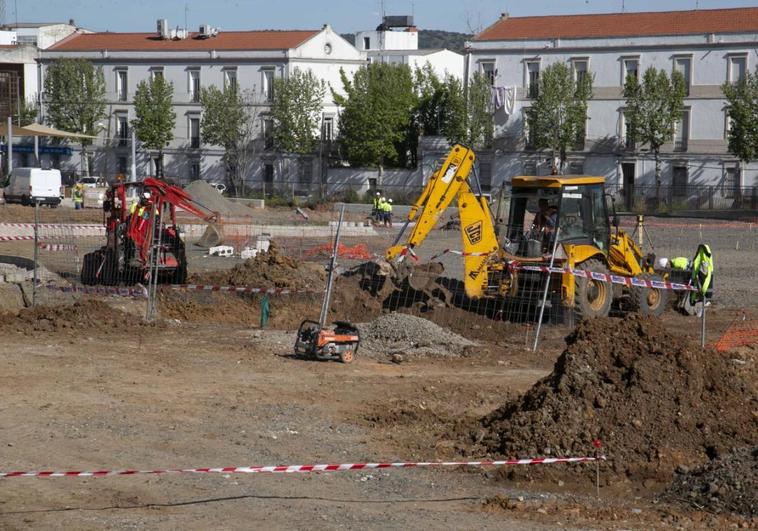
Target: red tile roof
(225,40)
(623,25)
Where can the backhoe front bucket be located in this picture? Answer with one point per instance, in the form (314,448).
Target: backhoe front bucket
(213,235)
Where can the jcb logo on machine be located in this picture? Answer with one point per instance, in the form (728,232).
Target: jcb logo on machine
(474,232)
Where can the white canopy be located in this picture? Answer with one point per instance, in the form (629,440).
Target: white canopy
(36,129)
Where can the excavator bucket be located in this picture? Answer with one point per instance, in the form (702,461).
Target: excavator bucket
(213,235)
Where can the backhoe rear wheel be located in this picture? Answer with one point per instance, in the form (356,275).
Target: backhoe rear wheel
(593,297)
(649,301)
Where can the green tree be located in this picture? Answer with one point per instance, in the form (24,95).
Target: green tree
(742,110)
(430,105)
(557,117)
(454,119)
(377,108)
(295,111)
(653,108)
(75,91)
(155,116)
(27,113)
(228,121)
(480,126)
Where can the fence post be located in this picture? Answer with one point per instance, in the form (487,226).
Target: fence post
(710,198)
(702,323)
(544,293)
(35,275)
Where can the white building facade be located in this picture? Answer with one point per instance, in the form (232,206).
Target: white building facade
(249,59)
(709,47)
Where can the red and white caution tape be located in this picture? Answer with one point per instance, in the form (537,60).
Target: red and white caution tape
(234,289)
(31,238)
(54,225)
(290,469)
(630,282)
(139,291)
(58,247)
(459,253)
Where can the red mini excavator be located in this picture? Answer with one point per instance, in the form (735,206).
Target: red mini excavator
(137,226)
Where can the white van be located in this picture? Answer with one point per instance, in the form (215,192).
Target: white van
(28,184)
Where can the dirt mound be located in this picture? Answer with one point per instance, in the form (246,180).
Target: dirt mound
(653,401)
(271,269)
(397,333)
(204,194)
(727,484)
(87,315)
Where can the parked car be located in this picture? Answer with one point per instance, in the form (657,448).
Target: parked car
(26,185)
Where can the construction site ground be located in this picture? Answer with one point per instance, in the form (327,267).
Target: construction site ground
(91,387)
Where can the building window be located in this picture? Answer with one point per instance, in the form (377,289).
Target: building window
(530,168)
(156,72)
(575,167)
(737,67)
(630,66)
(579,67)
(533,78)
(122,166)
(194,169)
(230,79)
(122,87)
(194,131)
(485,176)
(268,133)
(194,85)
(731,182)
(679,179)
(366,43)
(527,131)
(327,134)
(626,137)
(682,132)
(122,129)
(683,65)
(488,70)
(268,83)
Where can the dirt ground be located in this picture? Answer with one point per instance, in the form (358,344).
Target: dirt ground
(92,387)
(194,394)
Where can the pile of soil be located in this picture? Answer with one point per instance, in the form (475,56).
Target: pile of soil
(727,484)
(207,196)
(87,315)
(654,401)
(407,335)
(271,269)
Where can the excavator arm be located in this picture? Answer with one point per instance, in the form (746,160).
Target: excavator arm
(439,192)
(451,180)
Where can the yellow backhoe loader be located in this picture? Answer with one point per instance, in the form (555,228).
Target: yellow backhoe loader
(563,218)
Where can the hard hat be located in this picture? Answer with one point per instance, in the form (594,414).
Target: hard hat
(662,263)
(390,200)
(384,198)
(378,193)
(146,195)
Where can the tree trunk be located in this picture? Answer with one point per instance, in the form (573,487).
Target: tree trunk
(85,161)
(159,165)
(657,178)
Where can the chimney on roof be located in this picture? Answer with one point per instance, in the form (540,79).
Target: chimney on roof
(504,15)
(71,22)
(164,32)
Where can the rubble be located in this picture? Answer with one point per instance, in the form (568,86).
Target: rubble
(399,335)
(727,484)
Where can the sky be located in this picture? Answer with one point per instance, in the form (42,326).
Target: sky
(345,16)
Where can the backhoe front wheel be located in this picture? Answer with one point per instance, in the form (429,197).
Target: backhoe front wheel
(593,297)
(649,301)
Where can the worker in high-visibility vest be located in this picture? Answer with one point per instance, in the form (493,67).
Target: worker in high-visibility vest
(702,274)
(78,196)
(388,213)
(376,212)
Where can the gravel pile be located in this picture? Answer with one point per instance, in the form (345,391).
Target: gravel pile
(207,196)
(728,484)
(399,335)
